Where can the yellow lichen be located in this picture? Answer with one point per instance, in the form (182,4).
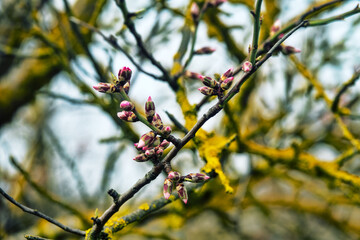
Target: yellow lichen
(210,150)
(144,206)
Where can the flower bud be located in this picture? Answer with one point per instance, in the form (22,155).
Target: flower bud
(127,116)
(156,121)
(105,87)
(126,87)
(168,187)
(227,74)
(204,50)
(216,3)
(174,176)
(195,11)
(159,152)
(167,130)
(124,75)
(196,177)
(149,109)
(164,144)
(208,81)
(226,84)
(146,139)
(127,106)
(287,50)
(207,91)
(275,27)
(156,142)
(247,66)
(193,75)
(150,152)
(180,188)
(141,158)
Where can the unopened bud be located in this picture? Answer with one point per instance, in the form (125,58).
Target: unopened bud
(174,176)
(168,187)
(275,27)
(141,158)
(208,81)
(164,144)
(167,130)
(207,91)
(127,106)
(205,50)
(195,11)
(149,109)
(156,142)
(196,177)
(159,152)
(286,50)
(150,152)
(156,121)
(105,87)
(180,188)
(126,87)
(127,116)
(124,75)
(226,84)
(146,139)
(193,75)
(247,66)
(227,74)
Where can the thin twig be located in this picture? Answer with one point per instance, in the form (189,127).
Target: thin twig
(45,194)
(346,86)
(256,32)
(113,42)
(42,215)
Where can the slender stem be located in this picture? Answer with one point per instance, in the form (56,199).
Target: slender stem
(320,22)
(41,215)
(142,119)
(256,32)
(348,84)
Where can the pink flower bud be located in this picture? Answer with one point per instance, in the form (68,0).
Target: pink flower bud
(227,74)
(193,75)
(205,50)
(167,130)
(127,106)
(141,158)
(164,144)
(127,116)
(180,188)
(168,187)
(195,11)
(149,108)
(216,3)
(207,91)
(208,81)
(286,50)
(247,66)
(150,152)
(174,176)
(105,87)
(146,139)
(226,84)
(196,177)
(124,75)
(156,142)
(159,152)
(156,121)
(275,27)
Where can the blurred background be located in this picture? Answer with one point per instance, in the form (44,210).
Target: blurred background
(62,146)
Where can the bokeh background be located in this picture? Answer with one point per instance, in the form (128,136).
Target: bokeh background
(62,146)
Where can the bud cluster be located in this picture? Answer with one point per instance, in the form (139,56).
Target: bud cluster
(175,179)
(151,146)
(122,81)
(216,85)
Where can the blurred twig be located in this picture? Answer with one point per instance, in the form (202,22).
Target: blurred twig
(40,214)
